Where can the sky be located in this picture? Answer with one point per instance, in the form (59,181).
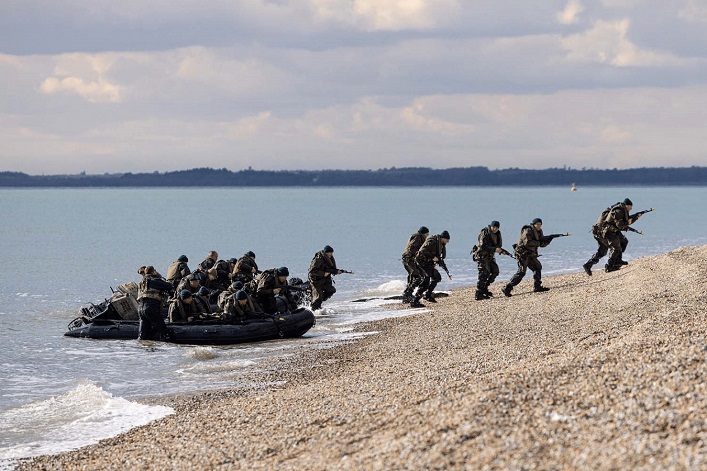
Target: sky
(101,86)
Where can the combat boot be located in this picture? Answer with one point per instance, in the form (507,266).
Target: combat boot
(588,268)
(429,297)
(623,262)
(416,302)
(609,268)
(539,288)
(479,296)
(507,290)
(488,293)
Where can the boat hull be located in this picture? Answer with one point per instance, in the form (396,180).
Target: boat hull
(290,325)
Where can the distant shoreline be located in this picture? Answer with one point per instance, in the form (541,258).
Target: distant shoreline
(390,177)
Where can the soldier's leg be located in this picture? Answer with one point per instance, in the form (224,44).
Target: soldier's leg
(522,268)
(535,265)
(493,269)
(624,244)
(602,249)
(317,296)
(328,291)
(483,274)
(411,280)
(434,279)
(616,252)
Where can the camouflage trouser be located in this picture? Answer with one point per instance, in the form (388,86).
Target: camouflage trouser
(488,271)
(321,291)
(415,276)
(152,326)
(616,242)
(430,280)
(525,262)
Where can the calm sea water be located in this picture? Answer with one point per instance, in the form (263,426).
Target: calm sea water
(64,248)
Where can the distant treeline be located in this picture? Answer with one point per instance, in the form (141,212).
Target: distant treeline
(468,176)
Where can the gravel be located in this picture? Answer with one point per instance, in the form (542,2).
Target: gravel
(601,372)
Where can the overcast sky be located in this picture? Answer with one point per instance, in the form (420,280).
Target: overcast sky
(134,85)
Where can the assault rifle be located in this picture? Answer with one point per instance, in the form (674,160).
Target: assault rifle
(548,238)
(640,213)
(506,252)
(634,230)
(336,271)
(440,262)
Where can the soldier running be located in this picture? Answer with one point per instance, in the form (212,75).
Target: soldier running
(488,245)
(607,233)
(526,252)
(433,250)
(321,269)
(415,276)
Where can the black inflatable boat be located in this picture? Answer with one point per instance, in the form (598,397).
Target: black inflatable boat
(116,318)
(286,325)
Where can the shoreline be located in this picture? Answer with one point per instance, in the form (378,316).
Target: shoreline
(598,372)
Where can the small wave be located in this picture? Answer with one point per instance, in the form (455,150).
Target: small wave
(80,417)
(201,353)
(218,367)
(389,288)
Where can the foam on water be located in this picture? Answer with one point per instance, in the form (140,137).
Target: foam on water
(389,288)
(80,417)
(201,353)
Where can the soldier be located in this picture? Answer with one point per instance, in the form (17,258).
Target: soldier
(246,269)
(433,250)
(415,276)
(607,233)
(321,269)
(209,261)
(184,308)
(242,306)
(526,251)
(178,270)
(488,245)
(201,298)
(191,282)
(224,295)
(270,283)
(152,292)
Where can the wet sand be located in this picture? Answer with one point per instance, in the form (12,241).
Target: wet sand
(601,372)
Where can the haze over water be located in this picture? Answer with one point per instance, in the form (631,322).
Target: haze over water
(63,248)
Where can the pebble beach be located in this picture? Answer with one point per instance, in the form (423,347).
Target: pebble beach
(600,372)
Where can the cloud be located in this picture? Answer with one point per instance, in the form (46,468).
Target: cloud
(393,15)
(85,76)
(694,11)
(607,43)
(571,13)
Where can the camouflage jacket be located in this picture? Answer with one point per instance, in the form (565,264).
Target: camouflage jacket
(414,243)
(320,266)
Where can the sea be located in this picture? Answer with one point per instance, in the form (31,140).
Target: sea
(62,249)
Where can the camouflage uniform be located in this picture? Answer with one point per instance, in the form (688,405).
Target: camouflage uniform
(177,271)
(245,270)
(607,233)
(484,255)
(526,252)
(322,285)
(233,311)
(415,275)
(152,291)
(267,282)
(432,248)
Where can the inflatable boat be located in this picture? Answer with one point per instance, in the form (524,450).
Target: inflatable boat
(116,319)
